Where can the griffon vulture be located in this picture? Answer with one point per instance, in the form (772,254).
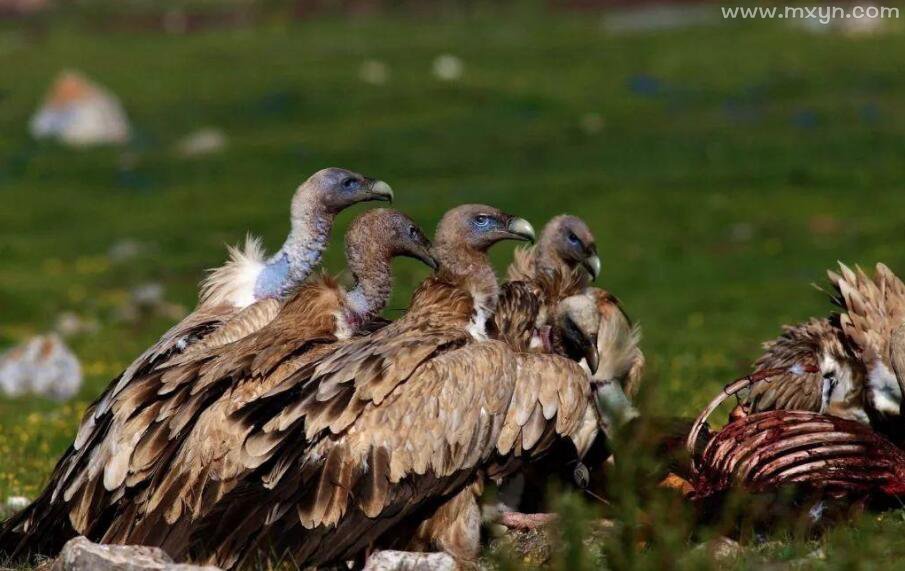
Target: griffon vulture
(858,355)
(242,295)
(93,488)
(381,432)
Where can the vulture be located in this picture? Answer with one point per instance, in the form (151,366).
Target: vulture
(376,439)
(235,300)
(874,320)
(96,489)
(857,357)
(802,352)
(545,280)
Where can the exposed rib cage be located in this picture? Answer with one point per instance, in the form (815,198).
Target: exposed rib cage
(764,451)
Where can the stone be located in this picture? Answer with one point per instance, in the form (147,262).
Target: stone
(374,72)
(409,561)
(722,550)
(206,141)
(80,113)
(80,554)
(448,67)
(43,365)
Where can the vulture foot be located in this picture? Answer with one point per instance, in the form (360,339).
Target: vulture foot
(517,520)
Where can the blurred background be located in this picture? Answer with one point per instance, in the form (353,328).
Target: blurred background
(723,165)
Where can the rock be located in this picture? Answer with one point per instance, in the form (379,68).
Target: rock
(448,67)
(374,72)
(722,550)
(207,141)
(69,323)
(79,554)
(409,561)
(80,113)
(43,365)
(124,250)
(16,503)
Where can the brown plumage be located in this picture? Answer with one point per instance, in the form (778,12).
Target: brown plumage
(167,446)
(874,311)
(817,345)
(377,432)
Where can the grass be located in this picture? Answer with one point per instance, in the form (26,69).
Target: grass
(735,164)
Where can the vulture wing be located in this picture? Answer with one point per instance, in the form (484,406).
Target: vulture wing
(326,495)
(874,309)
(518,314)
(796,348)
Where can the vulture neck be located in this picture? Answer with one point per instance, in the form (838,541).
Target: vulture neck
(300,254)
(369,263)
(470,269)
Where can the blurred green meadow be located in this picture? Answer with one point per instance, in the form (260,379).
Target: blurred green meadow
(723,169)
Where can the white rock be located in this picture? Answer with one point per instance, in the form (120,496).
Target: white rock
(206,141)
(42,365)
(409,561)
(69,323)
(79,554)
(448,67)
(124,250)
(374,72)
(17,503)
(80,113)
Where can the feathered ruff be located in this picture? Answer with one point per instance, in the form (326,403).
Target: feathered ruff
(798,349)
(522,267)
(618,344)
(234,282)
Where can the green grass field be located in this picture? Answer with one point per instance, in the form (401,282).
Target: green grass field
(734,165)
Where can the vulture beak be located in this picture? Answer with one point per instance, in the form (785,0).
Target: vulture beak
(592,356)
(592,264)
(521,229)
(380,190)
(428,260)
(584,344)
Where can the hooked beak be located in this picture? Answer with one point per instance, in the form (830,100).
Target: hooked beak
(428,260)
(592,265)
(521,229)
(380,190)
(592,356)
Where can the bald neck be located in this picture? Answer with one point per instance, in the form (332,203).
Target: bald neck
(369,262)
(301,252)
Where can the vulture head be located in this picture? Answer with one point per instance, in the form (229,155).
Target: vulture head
(568,240)
(336,189)
(575,330)
(384,233)
(477,227)
(843,382)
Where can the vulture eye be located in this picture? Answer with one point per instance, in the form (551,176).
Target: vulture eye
(413,233)
(482,221)
(350,183)
(573,239)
